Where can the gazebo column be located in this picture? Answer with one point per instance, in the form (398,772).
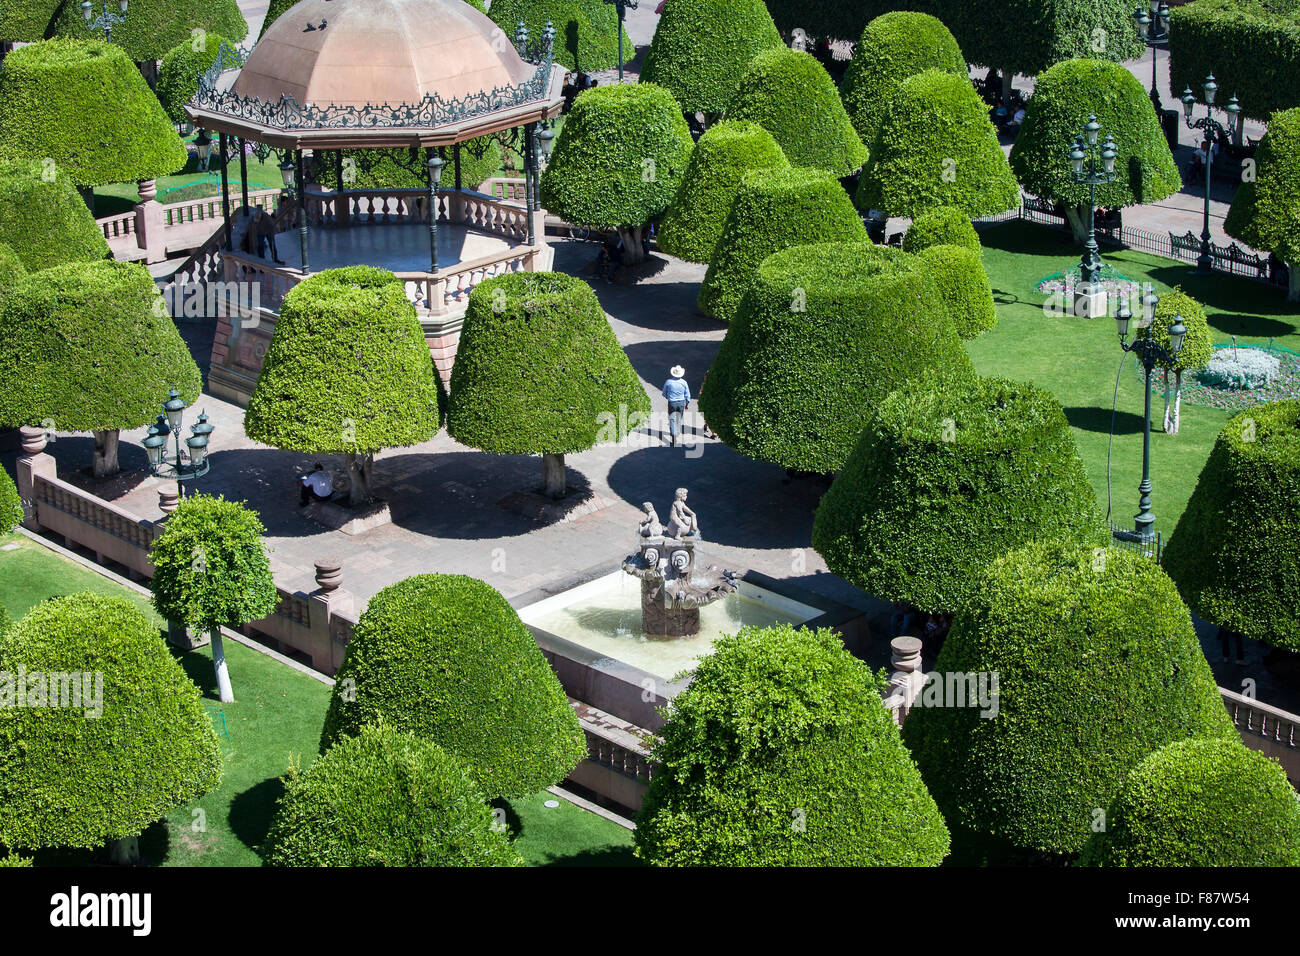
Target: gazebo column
(302,211)
(225,188)
(243,174)
(342,214)
(530,177)
(455,159)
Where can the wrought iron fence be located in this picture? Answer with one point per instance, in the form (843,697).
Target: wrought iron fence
(1127,539)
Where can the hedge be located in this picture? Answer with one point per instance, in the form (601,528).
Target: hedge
(935,146)
(1198,344)
(1063,99)
(1097,665)
(691,226)
(781,753)
(89,346)
(1235,553)
(348,369)
(941,225)
(178,76)
(26,21)
(11,267)
(84,105)
(944,479)
(586,37)
(11,505)
(43,220)
(791,95)
(701,48)
(447,658)
(538,367)
(619,158)
(773,209)
(1252,48)
(385,798)
(892,48)
(825,333)
(827,18)
(1201,803)
(69,780)
(480,160)
(152,27)
(1262,213)
(964,286)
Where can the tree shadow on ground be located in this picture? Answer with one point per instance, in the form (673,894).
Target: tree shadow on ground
(198,668)
(1093,419)
(75,453)
(611,856)
(252,811)
(652,360)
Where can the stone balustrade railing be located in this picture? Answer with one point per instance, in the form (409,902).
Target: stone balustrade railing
(152,231)
(1274,732)
(208,209)
(380,207)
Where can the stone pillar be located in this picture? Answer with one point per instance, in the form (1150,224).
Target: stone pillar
(149,224)
(906,681)
(33,463)
(326,602)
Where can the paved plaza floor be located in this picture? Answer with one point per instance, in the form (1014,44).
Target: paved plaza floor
(398,247)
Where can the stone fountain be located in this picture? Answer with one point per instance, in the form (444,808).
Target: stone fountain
(673,586)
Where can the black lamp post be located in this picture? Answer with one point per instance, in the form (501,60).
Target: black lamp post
(435,164)
(1213,130)
(1154,30)
(1100,169)
(182,465)
(292,175)
(203,147)
(622,6)
(106,20)
(1150,353)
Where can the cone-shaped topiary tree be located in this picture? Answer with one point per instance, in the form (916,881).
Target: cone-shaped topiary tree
(11,267)
(26,21)
(178,75)
(1235,554)
(1265,213)
(692,225)
(618,161)
(11,506)
(211,571)
(935,146)
(945,479)
(43,220)
(539,371)
(1195,354)
(1097,666)
(85,106)
(1064,97)
(152,27)
(892,48)
(348,372)
(781,753)
(791,95)
(89,346)
(965,286)
(941,226)
(825,333)
(773,209)
(385,798)
(99,756)
(1201,803)
(701,48)
(480,159)
(586,31)
(447,658)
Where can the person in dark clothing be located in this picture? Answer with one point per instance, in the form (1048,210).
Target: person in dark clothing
(1224,635)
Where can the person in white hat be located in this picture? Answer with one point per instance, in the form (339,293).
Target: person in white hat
(678,394)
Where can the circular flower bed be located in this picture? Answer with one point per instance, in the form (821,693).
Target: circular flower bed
(1227,382)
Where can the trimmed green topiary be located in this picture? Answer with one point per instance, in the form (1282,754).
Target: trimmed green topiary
(825,333)
(1235,553)
(348,372)
(773,209)
(385,798)
(152,27)
(275,9)
(943,480)
(11,505)
(84,105)
(586,31)
(11,267)
(692,225)
(480,159)
(1064,97)
(1265,213)
(935,146)
(447,658)
(178,76)
(791,95)
(13,859)
(781,753)
(69,779)
(1097,666)
(892,48)
(1196,351)
(540,371)
(964,285)
(26,21)
(1201,803)
(826,18)
(43,220)
(701,48)
(941,226)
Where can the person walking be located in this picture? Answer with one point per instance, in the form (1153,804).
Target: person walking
(678,394)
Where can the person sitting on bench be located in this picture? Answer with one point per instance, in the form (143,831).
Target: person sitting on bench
(317,485)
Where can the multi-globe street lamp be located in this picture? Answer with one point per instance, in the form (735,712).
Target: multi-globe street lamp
(1153,28)
(183,464)
(1100,169)
(106,20)
(1150,353)
(292,176)
(1214,130)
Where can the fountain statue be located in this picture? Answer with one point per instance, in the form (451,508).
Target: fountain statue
(673,587)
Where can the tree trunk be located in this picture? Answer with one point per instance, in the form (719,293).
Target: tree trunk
(1168,419)
(360,469)
(1077,217)
(1178,400)
(219,665)
(124,852)
(1008,77)
(106,465)
(554,483)
(1293,281)
(633,252)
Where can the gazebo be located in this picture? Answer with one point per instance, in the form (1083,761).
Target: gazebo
(330,75)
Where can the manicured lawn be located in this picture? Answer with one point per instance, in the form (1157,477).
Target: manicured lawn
(189,183)
(1077,360)
(276,718)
